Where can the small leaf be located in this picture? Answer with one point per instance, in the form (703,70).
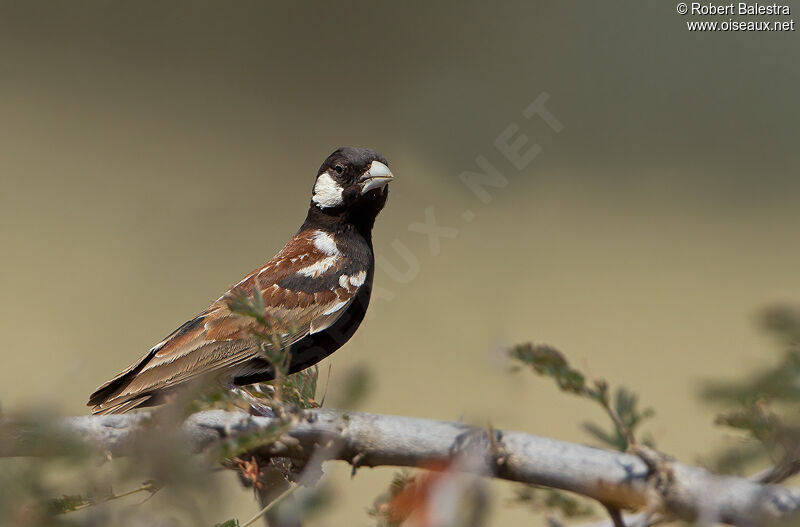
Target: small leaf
(755,419)
(624,414)
(67,503)
(783,321)
(615,441)
(300,388)
(548,361)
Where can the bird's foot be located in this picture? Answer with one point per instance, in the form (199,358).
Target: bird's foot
(258,405)
(261,409)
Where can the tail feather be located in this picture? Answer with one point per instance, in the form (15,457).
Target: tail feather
(120,406)
(107,393)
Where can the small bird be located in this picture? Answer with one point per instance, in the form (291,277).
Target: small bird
(316,291)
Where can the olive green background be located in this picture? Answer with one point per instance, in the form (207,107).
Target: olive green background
(151,155)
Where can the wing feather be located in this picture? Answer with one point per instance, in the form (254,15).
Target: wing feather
(217,340)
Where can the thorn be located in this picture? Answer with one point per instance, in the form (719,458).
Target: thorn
(356,462)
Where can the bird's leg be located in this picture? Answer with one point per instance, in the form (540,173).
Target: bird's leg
(256,403)
(264,389)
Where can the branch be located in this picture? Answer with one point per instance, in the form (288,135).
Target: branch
(618,480)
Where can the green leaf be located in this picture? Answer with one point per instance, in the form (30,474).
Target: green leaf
(755,419)
(783,321)
(240,303)
(67,503)
(736,460)
(782,382)
(550,362)
(615,440)
(300,388)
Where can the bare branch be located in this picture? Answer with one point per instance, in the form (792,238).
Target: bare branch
(616,479)
(616,516)
(777,473)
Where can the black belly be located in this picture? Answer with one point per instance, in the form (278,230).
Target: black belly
(313,348)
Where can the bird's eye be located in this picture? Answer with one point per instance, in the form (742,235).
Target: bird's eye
(339,169)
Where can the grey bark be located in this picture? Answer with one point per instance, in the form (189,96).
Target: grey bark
(615,479)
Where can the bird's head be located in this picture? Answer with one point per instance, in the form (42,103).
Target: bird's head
(352,180)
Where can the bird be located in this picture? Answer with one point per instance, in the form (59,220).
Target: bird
(316,291)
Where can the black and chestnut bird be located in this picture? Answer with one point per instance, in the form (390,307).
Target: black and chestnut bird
(316,291)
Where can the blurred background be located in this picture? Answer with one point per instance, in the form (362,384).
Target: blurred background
(151,154)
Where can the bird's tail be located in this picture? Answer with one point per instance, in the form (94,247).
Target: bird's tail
(120,406)
(108,398)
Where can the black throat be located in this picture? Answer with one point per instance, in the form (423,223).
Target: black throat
(358,217)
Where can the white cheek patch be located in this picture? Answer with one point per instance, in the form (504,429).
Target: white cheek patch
(327,192)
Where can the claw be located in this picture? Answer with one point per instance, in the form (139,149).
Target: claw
(257,404)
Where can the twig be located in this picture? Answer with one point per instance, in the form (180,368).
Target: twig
(622,428)
(777,473)
(270,505)
(616,516)
(150,486)
(629,519)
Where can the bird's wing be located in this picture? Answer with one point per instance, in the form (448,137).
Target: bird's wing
(305,287)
